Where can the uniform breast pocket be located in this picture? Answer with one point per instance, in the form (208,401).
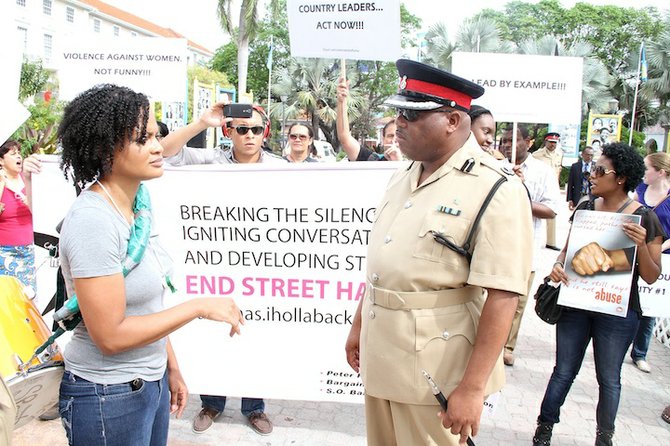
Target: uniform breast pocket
(451,228)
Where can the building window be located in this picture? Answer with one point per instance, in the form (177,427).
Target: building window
(116,31)
(46,7)
(48,41)
(96,25)
(69,14)
(23,36)
(21,2)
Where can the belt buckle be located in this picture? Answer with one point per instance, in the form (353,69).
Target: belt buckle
(371,293)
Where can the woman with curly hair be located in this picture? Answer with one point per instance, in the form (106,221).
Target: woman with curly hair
(616,173)
(121,379)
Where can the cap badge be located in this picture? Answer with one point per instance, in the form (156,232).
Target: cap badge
(403,83)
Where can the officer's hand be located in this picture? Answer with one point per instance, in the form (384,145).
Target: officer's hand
(463,413)
(571,205)
(591,259)
(517,170)
(352,347)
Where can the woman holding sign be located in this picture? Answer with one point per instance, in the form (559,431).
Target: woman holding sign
(616,173)
(121,379)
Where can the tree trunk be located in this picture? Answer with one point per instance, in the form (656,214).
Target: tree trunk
(242,66)
(242,52)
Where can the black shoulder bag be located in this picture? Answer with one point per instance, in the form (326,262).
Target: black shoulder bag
(546,302)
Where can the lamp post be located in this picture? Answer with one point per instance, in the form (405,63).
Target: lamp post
(283,98)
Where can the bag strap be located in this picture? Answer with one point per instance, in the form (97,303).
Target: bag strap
(480,214)
(465,249)
(657,204)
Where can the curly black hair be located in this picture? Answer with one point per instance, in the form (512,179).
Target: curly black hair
(627,163)
(95,125)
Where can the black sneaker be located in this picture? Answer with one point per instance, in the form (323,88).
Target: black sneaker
(542,435)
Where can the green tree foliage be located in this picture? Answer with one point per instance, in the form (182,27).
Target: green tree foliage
(273,26)
(38,133)
(34,79)
(613,31)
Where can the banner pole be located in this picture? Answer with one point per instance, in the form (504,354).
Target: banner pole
(514,140)
(343,68)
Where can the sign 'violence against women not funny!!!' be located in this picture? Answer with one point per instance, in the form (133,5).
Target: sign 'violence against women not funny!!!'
(345,29)
(525,88)
(155,66)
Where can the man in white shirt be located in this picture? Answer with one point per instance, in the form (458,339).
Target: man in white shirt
(540,180)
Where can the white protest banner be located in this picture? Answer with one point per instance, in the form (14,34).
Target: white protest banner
(655,298)
(155,66)
(288,243)
(595,233)
(343,29)
(525,88)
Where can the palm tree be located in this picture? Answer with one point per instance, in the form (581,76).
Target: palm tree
(658,85)
(476,35)
(243,33)
(311,86)
(439,47)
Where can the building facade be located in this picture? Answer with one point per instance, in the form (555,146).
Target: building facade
(41,24)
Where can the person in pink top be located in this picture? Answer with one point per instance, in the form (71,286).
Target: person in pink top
(17,255)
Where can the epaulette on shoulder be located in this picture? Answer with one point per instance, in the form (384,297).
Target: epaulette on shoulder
(495,165)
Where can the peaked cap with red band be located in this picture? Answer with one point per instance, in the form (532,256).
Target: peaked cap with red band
(552,137)
(423,87)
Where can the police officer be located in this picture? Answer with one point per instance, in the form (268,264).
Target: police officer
(426,307)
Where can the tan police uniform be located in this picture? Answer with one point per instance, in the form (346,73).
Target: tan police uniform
(7,414)
(423,303)
(553,159)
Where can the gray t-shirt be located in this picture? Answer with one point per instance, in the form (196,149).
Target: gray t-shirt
(93,243)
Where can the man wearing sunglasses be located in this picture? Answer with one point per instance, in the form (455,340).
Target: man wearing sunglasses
(435,302)
(247,135)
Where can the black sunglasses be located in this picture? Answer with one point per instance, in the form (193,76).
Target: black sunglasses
(412,115)
(600,171)
(243,129)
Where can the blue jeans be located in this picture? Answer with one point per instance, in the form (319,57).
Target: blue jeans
(642,338)
(611,337)
(249,405)
(114,414)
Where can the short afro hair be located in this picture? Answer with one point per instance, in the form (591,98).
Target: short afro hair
(95,125)
(626,162)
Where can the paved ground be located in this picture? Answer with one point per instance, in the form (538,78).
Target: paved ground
(301,423)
